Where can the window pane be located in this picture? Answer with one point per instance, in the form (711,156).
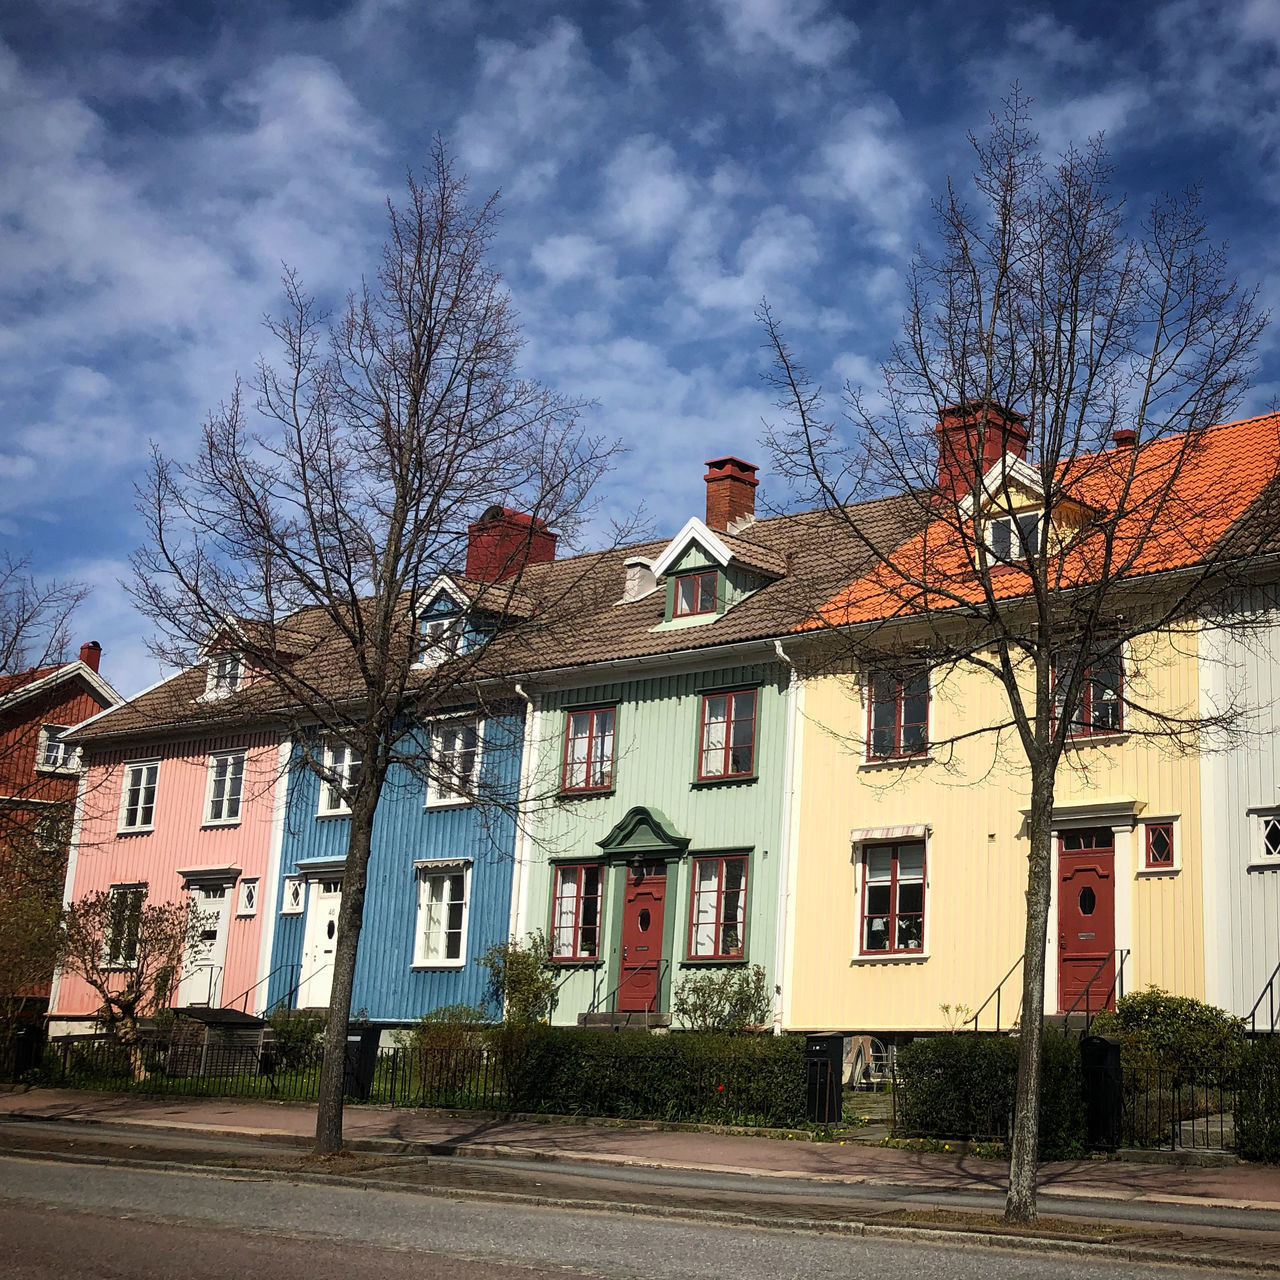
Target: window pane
(685,595)
(910,861)
(911,898)
(879,865)
(566,910)
(1029,533)
(706,592)
(706,883)
(1001,538)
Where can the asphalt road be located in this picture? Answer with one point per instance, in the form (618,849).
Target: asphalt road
(81,1221)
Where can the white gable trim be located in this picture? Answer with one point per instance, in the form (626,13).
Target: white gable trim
(693,531)
(1009,468)
(77,668)
(443,585)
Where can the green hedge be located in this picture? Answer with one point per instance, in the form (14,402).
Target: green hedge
(963,1086)
(1258,1101)
(701,1078)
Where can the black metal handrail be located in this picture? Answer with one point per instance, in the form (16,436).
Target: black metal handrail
(1116,987)
(1267,993)
(243,998)
(611,998)
(995,995)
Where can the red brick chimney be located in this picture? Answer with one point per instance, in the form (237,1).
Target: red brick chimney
(731,491)
(503,541)
(959,427)
(91,654)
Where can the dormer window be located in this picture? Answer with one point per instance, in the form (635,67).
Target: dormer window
(53,754)
(225,675)
(695,593)
(439,639)
(1012,538)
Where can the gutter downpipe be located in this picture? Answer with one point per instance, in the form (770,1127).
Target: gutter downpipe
(784,842)
(519,881)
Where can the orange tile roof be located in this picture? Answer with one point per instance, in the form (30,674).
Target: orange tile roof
(1178,497)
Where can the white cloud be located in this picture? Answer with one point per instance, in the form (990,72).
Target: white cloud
(572,257)
(647,195)
(803,30)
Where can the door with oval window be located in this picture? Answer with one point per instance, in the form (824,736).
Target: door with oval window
(1086,918)
(642,914)
(316,980)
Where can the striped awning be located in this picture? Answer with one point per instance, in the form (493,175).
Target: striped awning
(866,835)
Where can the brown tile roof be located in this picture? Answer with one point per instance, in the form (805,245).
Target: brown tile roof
(571,617)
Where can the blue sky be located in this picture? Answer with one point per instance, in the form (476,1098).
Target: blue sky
(662,166)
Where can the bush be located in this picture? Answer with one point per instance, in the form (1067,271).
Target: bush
(1257,1117)
(701,1078)
(297,1038)
(964,1085)
(727,1000)
(1160,1032)
(522,982)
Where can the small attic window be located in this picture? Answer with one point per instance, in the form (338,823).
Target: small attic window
(1012,538)
(439,639)
(224,675)
(694,593)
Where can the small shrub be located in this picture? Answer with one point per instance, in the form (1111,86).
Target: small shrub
(724,1000)
(297,1038)
(522,981)
(453,1028)
(964,1085)
(1161,1032)
(1257,1116)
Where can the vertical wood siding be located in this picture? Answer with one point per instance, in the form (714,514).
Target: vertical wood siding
(387,987)
(976,871)
(178,841)
(655,765)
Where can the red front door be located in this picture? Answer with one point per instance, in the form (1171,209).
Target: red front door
(642,939)
(1086,918)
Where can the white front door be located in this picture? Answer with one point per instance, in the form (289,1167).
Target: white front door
(324,898)
(203,968)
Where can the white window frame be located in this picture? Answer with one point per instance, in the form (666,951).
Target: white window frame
(287,887)
(109,959)
(424,873)
(1017,546)
(330,804)
(68,757)
(215,759)
(126,828)
(439,794)
(439,639)
(862,847)
(248,893)
(1140,844)
(224,675)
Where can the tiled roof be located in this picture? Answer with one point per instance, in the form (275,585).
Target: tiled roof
(20,679)
(576,618)
(1185,495)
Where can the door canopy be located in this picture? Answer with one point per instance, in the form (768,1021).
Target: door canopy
(643,831)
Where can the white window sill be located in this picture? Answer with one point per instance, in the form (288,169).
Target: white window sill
(890,957)
(896,762)
(135,831)
(1272,864)
(291,911)
(420,966)
(1103,738)
(245,915)
(333,813)
(117,967)
(454,802)
(220,822)
(1160,871)
(59,770)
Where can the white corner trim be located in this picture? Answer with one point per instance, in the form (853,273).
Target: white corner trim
(694,531)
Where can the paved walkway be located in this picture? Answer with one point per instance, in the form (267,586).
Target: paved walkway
(1236,1186)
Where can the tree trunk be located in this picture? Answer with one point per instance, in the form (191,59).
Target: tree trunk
(350,922)
(1024,1149)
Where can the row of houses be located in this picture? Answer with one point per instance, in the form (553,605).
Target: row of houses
(686,774)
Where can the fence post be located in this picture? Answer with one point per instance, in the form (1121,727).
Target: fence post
(1175,1110)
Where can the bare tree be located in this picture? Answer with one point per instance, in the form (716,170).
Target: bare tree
(1044,313)
(311,544)
(34,616)
(129,951)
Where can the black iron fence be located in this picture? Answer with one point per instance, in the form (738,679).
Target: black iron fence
(1178,1110)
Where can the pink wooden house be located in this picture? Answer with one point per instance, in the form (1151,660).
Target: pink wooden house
(177,807)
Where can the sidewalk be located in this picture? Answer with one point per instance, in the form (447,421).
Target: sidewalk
(377,1128)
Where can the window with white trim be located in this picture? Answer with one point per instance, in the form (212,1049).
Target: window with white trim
(575,912)
(293,896)
(442,916)
(897,714)
(343,762)
(893,890)
(1101,708)
(1158,846)
(224,674)
(454,761)
(1269,852)
(225,787)
(727,741)
(53,754)
(247,898)
(138,795)
(718,908)
(120,943)
(439,639)
(1014,538)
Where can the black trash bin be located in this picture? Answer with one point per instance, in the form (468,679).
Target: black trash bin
(361,1062)
(824,1064)
(1103,1092)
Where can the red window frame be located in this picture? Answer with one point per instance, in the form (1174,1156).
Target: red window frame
(1083,725)
(894,915)
(900,679)
(557,895)
(1153,862)
(725,752)
(593,735)
(696,895)
(697,579)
